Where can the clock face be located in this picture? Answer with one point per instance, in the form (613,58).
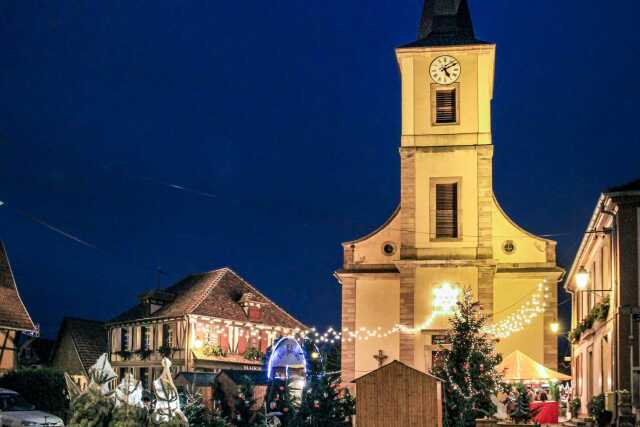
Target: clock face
(445,70)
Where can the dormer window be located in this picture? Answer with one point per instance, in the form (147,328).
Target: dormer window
(252,308)
(154,300)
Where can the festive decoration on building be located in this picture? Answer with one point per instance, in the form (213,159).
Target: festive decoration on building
(445,299)
(468,369)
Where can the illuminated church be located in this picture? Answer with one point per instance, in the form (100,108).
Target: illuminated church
(449,233)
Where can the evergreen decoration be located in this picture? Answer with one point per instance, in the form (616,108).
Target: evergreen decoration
(468,370)
(521,412)
(323,402)
(213,350)
(129,416)
(280,400)
(91,409)
(245,412)
(253,354)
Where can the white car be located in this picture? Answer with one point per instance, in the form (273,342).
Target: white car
(15,411)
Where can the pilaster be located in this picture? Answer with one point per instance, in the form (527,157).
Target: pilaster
(407,313)
(348,357)
(485,201)
(408,203)
(485,290)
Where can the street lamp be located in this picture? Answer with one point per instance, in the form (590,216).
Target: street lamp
(555,327)
(582,278)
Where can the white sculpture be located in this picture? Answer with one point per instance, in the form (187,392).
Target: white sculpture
(129,392)
(167,399)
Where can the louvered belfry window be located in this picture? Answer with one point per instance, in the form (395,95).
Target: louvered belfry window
(447,211)
(446,106)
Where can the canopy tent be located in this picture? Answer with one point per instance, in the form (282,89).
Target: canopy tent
(518,367)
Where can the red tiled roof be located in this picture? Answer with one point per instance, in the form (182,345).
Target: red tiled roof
(13,313)
(214,294)
(89,338)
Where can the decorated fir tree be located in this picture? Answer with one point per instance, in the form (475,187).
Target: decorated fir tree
(323,401)
(245,411)
(280,400)
(469,368)
(521,412)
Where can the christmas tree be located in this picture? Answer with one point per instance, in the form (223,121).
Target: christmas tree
(245,411)
(469,368)
(521,412)
(280,400)
(322,401)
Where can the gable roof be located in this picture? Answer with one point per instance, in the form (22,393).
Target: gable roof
(397,365)
(89,339)
(213,294)
(13,313)
(445,23)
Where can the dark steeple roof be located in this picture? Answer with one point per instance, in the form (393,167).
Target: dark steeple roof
(445,22)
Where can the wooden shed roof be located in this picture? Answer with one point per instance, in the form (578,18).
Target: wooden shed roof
(397,365)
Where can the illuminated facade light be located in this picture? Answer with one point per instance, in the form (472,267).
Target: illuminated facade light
(582,278)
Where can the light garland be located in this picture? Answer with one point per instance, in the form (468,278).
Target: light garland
(444,302)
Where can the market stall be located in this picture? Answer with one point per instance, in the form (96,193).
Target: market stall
(520,368)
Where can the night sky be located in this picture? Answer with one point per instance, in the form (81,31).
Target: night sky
(192,135)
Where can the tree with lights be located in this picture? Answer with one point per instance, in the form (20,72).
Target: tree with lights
(323,402)
(245,412)
(469,368)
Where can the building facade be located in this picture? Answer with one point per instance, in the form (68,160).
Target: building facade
(449,232)
(205,323)
(14,317)
(79,344)
(605,292)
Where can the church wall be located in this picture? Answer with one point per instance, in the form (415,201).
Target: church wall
(377,305)
(510,291)
(450,163)
(528,248)
(369,250)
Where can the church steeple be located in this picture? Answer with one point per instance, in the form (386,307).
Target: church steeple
(445,22)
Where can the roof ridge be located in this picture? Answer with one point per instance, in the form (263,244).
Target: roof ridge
(220,273)
(265,297)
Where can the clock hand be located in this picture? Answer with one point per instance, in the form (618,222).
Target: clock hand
(450,65)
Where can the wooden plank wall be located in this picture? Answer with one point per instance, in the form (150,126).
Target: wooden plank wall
(398,396)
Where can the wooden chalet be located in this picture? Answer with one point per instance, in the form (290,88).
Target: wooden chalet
(397,395)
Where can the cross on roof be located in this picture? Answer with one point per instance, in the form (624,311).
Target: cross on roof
(380,357)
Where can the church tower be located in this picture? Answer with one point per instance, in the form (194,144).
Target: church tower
(449,232)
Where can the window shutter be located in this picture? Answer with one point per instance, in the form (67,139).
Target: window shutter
(447,211)
(446,106)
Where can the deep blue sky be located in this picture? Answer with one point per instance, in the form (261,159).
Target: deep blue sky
(288,113)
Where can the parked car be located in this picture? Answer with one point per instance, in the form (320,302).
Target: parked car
(15,411)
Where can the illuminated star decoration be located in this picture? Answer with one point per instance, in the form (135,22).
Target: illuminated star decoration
(445,299)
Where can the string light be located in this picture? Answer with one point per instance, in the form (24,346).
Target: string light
(444,302)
